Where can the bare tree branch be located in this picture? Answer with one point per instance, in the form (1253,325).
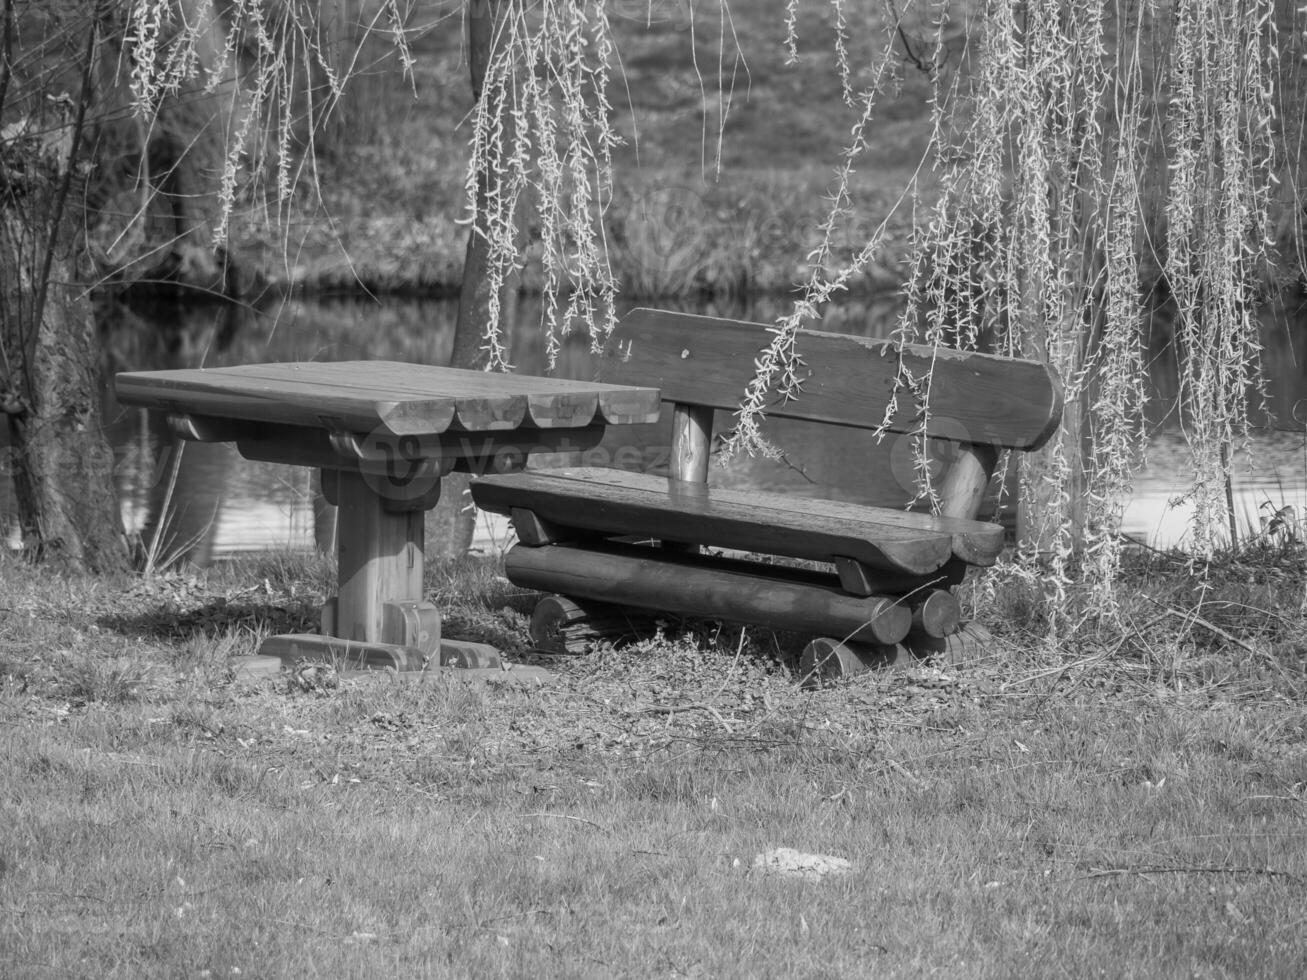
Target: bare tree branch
(930,70)
(66,182)
(6,51)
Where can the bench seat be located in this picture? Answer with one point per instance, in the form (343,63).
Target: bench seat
(614,503)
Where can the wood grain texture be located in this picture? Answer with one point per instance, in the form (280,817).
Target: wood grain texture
(967,644)
(617,502)
(403,399)
(855,577)
(290,648)
(560,624)
(548,402)
(899,586)
(224,394)
(379,557)
(535,533)
(691,443)
(649,578)
(204,428)
(935,613)
(963,487)
(978,398)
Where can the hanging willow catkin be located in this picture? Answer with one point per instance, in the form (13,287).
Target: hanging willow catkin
(1220,119)
(543,129)
(1081,128)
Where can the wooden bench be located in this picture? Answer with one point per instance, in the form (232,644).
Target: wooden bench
(882,576)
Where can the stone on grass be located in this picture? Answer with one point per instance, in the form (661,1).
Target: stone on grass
(787,861)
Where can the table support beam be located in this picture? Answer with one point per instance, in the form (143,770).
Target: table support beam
(380,560)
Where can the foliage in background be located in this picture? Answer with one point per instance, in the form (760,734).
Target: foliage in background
(88,172)
(541,130)
(270,74)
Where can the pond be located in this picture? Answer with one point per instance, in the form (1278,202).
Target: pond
(216,504)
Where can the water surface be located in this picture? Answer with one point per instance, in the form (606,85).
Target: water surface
(218,504)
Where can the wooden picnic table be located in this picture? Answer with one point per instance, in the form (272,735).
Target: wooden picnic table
(382,434)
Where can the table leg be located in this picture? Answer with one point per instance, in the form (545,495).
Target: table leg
(380,557)
(379,550)
(378,617)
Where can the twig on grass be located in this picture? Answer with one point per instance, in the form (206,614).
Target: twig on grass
(1186,870)
(1062,669)
(1193,617)
(739,649)
(898,768)
(671,709)
(568,816)
(482,924)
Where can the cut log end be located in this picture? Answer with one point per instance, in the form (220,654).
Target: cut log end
(562,625)
(936,615)
(826,659)
(970,642)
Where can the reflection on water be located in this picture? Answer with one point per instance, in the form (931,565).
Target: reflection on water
(212,503)
(1273,477)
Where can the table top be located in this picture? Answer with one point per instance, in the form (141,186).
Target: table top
(401,398)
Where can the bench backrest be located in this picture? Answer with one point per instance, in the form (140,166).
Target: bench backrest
(995,401)
(980,403)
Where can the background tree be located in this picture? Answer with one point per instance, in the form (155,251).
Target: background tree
(114,119)
(49,371)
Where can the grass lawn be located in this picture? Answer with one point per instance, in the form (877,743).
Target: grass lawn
(1128,801)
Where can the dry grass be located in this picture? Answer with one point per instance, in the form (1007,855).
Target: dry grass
(1129,804)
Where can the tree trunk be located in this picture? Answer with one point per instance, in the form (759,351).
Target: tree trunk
(451,525)
(50,374)
(474,295)
(50,388)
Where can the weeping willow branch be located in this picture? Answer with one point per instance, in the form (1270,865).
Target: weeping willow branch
(541,132)
(778,368)
(270,46)
(1060,182)
(1217,213)
(1082,138)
